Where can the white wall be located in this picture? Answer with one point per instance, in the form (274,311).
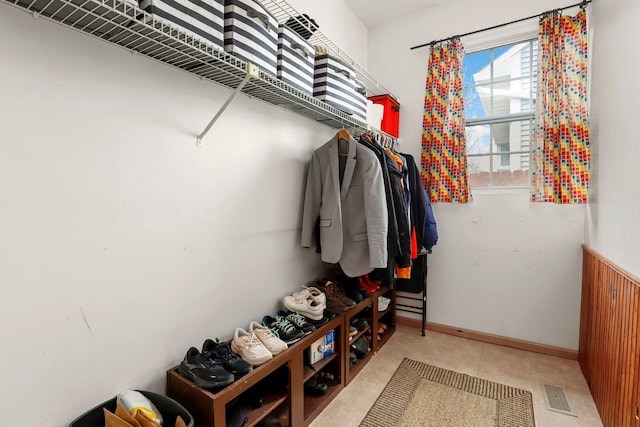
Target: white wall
(122,243)
(502,266)
(614,207)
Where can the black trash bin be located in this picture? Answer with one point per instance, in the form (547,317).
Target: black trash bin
(169,408)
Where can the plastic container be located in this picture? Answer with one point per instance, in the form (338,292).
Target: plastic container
(169,408)
(391,115)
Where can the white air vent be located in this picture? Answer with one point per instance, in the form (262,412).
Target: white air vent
(556,400)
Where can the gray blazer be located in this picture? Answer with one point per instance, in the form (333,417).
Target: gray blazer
(353,216)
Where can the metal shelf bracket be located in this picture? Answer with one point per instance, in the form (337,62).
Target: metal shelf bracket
(252,71)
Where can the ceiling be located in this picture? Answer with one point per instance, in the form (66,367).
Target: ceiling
(374,12)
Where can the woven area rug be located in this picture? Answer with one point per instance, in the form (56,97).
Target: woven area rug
(423,395)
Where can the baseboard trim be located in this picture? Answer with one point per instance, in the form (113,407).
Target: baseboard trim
(493,339)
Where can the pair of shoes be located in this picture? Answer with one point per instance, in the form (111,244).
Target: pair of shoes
(309,302)
(248,346)
(353,290)
(283,328)
(383,303)
(326,375)
(203,371)
(367,284)
(359,323)
(318,323)
(222,351)
(382,328)
(299,320)
(361,347)
(315,388)
(270,340)
(337,301)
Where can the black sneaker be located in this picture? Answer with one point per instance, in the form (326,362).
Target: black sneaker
(204,372)
(299,320)
(360,323)
(233,363)
(318,323)
(353,290)
(285,330)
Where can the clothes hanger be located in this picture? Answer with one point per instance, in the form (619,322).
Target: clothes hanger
(343,134)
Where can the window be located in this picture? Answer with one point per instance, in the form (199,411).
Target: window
(499,97)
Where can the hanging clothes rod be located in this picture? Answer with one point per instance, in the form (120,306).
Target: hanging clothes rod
(582,5)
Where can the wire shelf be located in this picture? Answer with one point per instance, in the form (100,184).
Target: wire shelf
(283,12)
(123,23)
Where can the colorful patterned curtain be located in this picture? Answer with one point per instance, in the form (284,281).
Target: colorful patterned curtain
(561,155)
(444,155)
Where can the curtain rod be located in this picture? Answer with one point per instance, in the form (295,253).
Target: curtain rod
(582,4)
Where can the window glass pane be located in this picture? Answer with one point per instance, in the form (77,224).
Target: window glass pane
(478,171)
(513,174)
(511,97)
(475,63)
(508,61)
(476,106)
(516,135)
(477,139)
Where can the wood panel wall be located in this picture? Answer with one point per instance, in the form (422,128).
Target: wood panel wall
(609,353)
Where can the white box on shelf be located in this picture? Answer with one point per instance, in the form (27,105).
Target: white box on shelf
(296,58)
(201,18)
(323,347)
(334,83)
(251,33)
(374,114)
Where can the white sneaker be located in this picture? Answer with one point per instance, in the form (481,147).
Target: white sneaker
(301,302)
(249,347)
(274,344)
(315,294)
(383,303)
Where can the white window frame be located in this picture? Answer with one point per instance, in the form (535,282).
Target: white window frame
(508,118)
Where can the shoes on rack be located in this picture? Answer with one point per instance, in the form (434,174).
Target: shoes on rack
(248,346)
(334,301)
(383,303)
(353,290)
(315,294)
(359,323)
(382,328)
(326,375)
(367,286)
(352,358)
(333,289)
(318,323)
(274,344)
(204,372)
(284,329)
(299,320)
(307,302)
(215,350)
(361,347)
(374,284)
(353,331)
(315,388)
(339,289)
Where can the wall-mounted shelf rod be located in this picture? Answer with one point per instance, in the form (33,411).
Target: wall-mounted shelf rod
(252,72)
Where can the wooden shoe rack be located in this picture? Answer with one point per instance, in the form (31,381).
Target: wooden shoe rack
(368,310)
(286,400)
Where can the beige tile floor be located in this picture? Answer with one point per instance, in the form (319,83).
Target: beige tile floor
(517,368)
